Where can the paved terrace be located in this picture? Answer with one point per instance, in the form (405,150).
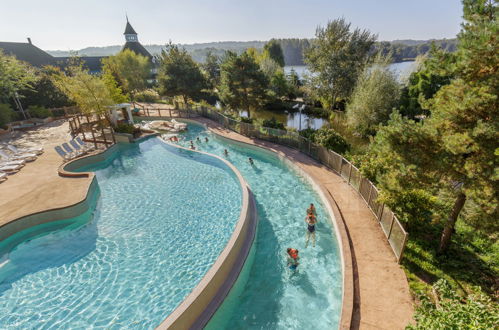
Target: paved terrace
(38,187)
(381,297)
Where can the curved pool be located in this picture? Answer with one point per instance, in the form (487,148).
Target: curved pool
(163,217)
(274,297)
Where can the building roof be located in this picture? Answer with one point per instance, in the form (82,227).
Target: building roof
(92,63)
(129,29)
(27,52)
(137,48)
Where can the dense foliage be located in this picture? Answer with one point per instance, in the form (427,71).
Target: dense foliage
(336,57)
(129,70)
(14,77)
(243,84)
(179,75)
(6,114)
(373,99)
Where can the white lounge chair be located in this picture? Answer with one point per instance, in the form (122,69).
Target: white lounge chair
(10,168)
(25,157)
(36,151)
(3,177)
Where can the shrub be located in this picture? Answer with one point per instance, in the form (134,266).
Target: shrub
(328,138)
(148,95)
(477,311)
(6,114)
(272,123)
(124,128)
(246,120)
(36,111)
(308,133)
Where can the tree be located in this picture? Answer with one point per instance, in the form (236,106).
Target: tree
(43,92)
(130,70)
(454,151)
(336,57)
(89,92)
(6,114)
(14,77)
(211,67)
(243,85)
(374,98)
(273,50)
(179,75)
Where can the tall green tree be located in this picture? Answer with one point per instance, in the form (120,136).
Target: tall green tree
(179,75)
(15,76)
(454,152)
(89,92)
(43,92)
(374,98)
(273,50)
(243,85)
(211,67)
(336,57)
(130,70)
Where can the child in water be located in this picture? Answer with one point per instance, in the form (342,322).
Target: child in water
(206,139)
(293,259)
(251,161)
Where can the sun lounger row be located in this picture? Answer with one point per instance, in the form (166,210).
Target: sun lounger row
(77,149)
(12,159)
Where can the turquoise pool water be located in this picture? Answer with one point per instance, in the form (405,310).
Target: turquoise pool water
(162,218)
(274,297)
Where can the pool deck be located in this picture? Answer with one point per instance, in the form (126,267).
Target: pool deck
(38,186)
(381,293)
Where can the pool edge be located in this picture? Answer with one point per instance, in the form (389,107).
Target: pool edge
(200,305)
(338,221)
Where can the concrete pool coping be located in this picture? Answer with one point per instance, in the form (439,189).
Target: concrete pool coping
(376,293)
(200,305)
(203,301)
(336,220)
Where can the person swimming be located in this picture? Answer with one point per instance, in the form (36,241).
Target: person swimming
(226,153)
(293,258)
(198,139)
(311,221)
(312,210)
(251,161)
(206,139)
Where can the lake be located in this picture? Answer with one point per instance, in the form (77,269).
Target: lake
(401,69)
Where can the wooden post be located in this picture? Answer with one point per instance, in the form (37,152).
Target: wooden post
(391,226)
(102,130)
(92,131)
(370,193)
(350,172)
(403,248)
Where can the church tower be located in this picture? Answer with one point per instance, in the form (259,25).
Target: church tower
(132,41)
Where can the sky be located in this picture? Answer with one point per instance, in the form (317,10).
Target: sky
(75,24)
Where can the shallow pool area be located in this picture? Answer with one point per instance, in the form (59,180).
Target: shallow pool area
(275,297)
(162,218)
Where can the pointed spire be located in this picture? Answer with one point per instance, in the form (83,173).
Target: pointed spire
(129,29)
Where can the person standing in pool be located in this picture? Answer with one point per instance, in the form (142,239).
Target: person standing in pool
(206,139)
(293,258)
(226,153)
(311,221)
(251,161)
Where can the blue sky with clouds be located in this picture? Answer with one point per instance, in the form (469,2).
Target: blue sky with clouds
(72,24)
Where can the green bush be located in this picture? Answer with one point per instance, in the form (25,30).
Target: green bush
(124,128)
(272,123)
(246,120)
(36,111)
(308,133)
(6,115)
(148,95)
(328,138)
(477,311)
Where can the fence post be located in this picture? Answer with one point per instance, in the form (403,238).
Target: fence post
(350,173)
(370,194)
(391,226)
(381,213)
(403,248)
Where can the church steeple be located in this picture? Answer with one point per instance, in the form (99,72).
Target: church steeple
(130,34)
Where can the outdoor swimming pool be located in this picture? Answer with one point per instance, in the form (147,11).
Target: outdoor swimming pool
(155,232)
(163,217)
(275,298)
